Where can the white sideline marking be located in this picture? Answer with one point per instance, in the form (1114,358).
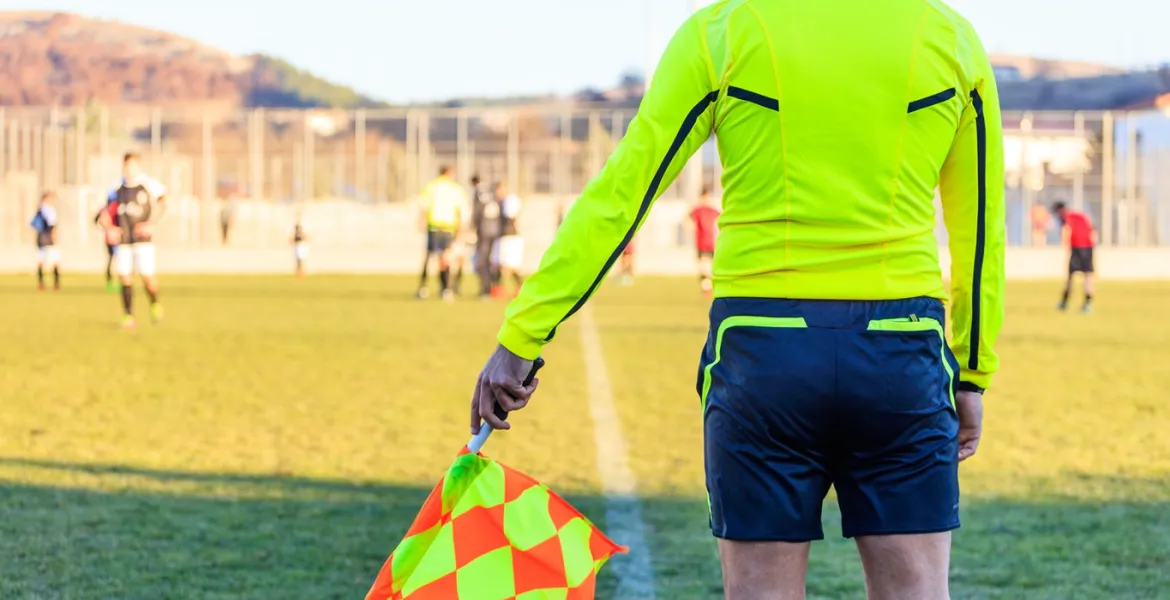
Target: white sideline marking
(623,511)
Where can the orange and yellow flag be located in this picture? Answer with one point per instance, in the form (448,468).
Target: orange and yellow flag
(489,532)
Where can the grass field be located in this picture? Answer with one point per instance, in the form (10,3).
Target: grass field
(274,438)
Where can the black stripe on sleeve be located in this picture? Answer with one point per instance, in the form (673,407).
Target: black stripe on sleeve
(930,101)
(679,139)
(754,98)
(980,228)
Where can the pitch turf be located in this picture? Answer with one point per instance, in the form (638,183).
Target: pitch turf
(274,438)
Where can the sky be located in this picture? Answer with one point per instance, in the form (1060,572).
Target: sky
(420,50)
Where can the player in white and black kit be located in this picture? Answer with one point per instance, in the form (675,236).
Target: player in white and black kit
(45,224)
(135,205)
(509,249)
(300,242)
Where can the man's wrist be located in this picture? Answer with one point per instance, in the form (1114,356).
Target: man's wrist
(518,342)
(967,386)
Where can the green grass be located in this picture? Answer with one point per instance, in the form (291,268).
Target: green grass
(274,438)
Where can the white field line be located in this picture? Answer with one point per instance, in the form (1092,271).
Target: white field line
(623,511)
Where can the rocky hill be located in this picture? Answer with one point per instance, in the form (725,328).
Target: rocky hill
(58,58)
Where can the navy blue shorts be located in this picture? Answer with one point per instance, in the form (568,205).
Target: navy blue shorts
(439,241)
(802,395)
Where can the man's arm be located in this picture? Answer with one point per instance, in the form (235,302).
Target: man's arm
(972,187)
(424,206)
(674,120)
(158,196)
(104,219)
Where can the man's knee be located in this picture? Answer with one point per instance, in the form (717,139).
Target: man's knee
(906,566)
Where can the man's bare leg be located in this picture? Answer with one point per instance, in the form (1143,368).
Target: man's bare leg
(423,291)
(445,260)
(1088,292)
(906,567)
(1068,284)
(150,282)
(764,570)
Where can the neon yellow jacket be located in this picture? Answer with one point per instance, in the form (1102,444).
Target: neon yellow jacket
(836,122)
(445,204)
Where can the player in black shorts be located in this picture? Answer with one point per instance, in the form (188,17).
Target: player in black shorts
(486,222)
(1079,236)
(135,205)
(444,207)
(45,224)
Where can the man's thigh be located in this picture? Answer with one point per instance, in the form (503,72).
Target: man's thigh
(144,259)
(906,566)
(124,259)
(49,255)
(764,570)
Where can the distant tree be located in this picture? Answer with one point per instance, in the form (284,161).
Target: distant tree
(590,95)
(632,79)
(277,83)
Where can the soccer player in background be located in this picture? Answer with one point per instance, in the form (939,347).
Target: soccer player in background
(509,249)
(111,241)
(704,219)
(136,205)
(45,224)
(300,244)
(826,362)
(1080,237)
(626,264)
(1041,220)
(487,226)
(444,209)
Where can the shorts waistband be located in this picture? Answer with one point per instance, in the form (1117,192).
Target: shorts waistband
(829,314)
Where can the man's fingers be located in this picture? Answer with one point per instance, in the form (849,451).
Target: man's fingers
(475,396)
(487,408)
(508,402)
(518,391)
(489,417)
(968,448)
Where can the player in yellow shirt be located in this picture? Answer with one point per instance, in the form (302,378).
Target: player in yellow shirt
(826,363)
(444,210)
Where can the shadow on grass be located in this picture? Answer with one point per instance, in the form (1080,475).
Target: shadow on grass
(199,535)
(254,536)
(315,293)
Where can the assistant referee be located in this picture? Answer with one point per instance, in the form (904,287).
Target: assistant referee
(826,363)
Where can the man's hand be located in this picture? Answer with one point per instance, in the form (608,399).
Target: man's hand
(502,381)
(969,405)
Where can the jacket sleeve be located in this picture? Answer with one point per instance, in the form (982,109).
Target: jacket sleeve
(972,189)
(673,121)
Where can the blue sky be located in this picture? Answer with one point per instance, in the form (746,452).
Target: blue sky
(411,50)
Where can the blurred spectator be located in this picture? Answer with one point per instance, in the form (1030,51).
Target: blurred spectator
(1041,222)
(509,249)
(227,217)
(486,221)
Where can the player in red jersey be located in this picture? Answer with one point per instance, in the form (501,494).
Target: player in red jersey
(704,221)
(1079,236)
(626,264)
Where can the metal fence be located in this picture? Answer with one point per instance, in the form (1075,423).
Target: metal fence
(1112,165)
